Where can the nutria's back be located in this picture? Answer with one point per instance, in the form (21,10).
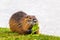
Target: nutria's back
(14,21)
(18,15)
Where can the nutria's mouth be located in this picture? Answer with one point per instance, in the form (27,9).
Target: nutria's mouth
(29,31)
(33,22)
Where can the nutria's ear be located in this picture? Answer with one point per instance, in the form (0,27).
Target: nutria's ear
(27,16)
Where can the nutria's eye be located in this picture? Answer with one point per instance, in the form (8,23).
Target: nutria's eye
(29,20)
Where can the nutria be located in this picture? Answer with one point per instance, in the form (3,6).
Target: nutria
(22,23)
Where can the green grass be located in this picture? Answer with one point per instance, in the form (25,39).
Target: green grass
(6,34)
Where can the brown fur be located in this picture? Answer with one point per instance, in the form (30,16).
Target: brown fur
(18,22)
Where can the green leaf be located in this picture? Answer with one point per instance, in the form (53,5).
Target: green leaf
(35,28)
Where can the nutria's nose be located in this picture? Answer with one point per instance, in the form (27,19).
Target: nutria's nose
(35,20)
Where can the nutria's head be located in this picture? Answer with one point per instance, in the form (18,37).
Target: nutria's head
(27,23)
